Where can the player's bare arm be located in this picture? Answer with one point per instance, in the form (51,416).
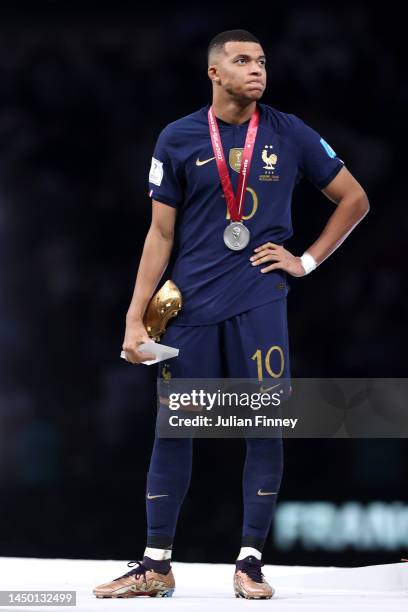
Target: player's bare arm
(155,257)
(351,207)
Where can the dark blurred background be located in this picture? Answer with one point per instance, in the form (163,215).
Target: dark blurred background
(84,91)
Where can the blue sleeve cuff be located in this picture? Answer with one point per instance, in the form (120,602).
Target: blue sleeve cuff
(165,200)
(323,183)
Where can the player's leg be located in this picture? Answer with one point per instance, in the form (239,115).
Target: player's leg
(261,481)
(257,342)
(265,356)
(169,473)
(167,483)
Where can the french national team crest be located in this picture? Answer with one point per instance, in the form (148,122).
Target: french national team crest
(235,159)
(270,160)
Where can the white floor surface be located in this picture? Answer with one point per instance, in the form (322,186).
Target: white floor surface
(204,586)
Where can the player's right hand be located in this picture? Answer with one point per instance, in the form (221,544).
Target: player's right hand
(135,335)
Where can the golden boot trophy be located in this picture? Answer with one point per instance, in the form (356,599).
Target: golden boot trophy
(163,306)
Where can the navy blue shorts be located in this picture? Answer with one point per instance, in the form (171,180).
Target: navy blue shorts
(253,344)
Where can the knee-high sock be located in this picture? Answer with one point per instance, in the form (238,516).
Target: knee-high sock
(261,480)
(167,483)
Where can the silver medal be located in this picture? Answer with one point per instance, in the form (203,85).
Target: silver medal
(236,236)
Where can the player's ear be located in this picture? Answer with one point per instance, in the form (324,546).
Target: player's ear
(213,73)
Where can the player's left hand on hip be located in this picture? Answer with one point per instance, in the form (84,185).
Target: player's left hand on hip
(282,259)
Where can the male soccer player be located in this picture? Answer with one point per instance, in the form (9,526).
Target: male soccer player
(221,183)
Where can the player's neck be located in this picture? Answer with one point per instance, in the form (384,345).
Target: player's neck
(231,111)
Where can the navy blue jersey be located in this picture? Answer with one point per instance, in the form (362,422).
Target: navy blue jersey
(216,282)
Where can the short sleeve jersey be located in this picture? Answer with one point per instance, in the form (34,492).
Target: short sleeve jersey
(217,283)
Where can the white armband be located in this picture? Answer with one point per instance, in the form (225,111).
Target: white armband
(308,262)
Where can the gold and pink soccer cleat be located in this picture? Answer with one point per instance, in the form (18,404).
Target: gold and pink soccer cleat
(139,581)
(249,581)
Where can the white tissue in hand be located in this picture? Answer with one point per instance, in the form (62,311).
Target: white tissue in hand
(161,351)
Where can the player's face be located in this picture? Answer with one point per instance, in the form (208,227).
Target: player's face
(241,71)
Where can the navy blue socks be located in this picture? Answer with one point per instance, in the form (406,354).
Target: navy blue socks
(168,481)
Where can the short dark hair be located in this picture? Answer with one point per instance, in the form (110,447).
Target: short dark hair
(218,42)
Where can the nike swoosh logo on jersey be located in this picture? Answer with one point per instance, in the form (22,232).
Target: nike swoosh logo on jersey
(154,496)
(269,388)
(260,492)
(205,161)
